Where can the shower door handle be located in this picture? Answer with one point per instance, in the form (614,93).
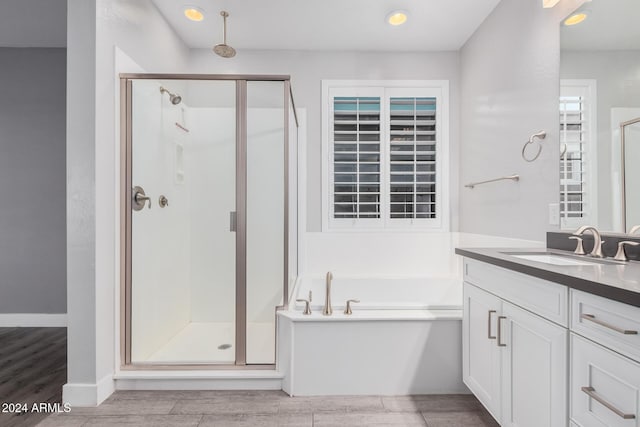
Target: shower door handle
(233,226)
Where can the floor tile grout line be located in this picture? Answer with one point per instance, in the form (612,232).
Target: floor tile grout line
(174,406)
(425,419)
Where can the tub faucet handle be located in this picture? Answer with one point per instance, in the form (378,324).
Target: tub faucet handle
(347,309)
(307,306)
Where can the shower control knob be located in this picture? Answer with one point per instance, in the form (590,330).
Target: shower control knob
(139,199)
(163,201)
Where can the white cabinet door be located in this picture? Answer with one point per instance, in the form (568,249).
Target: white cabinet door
(480,353)
(534,369)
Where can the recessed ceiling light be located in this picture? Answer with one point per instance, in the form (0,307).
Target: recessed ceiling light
(576,18)
(194,13)
(397,17)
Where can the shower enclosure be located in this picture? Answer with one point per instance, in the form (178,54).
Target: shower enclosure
(208,242)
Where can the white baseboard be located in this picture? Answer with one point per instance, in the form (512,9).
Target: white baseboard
(199,380)
(88,394)
(13,320)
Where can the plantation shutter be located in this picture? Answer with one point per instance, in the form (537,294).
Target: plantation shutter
(356,139)
(573,140)
(412,157)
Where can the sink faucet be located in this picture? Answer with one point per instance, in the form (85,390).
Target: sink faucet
(327,310)
(597,240)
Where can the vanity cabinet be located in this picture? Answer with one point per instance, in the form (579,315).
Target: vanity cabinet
(604,386)
(480,352)
(534,370)
(605,368)
(538,354)
(514,359)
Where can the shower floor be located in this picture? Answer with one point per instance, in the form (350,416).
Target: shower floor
(198,342)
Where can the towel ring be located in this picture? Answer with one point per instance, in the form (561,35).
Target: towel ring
(542,135)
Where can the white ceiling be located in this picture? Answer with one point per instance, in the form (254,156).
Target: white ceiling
(610,25)
(33,23)
(329,24)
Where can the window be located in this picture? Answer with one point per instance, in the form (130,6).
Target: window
(385,155)
(578,155)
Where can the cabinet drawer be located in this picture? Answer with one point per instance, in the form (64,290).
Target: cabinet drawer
(605,386)
(546,299)
(610,323)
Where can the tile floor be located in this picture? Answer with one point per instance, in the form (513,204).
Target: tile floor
(274,408)
(33,368)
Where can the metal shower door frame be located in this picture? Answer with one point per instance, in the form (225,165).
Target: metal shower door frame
(126,168)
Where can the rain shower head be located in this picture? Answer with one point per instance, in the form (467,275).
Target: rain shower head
(174,98)
(223,49)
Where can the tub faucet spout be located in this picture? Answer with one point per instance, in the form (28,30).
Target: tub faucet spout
(327,310)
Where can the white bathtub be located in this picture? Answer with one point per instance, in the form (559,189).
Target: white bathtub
(382,293)
(404,337)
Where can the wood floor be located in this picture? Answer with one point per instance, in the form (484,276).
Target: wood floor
(274,408)
(33,368)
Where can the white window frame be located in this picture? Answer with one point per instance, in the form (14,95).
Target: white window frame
(586,88)
(386,89)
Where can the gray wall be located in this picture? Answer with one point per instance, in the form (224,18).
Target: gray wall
(32,180)
(509,90)
(308,69)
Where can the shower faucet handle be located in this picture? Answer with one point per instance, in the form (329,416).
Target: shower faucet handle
(347,309)
(140,198)
(307,306)
(143,199)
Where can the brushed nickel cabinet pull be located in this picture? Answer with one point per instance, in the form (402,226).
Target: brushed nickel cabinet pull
(592,318)
(491,337)
(500,344)
(591,392)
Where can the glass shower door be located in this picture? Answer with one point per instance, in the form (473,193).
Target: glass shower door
(265,216)
(183,240)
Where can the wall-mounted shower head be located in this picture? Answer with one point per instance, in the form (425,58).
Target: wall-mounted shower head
(174,98)
(223,49)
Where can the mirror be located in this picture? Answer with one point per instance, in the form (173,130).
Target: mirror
(630,132)
(599,92)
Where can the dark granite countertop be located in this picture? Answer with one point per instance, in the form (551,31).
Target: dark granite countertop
(619,281)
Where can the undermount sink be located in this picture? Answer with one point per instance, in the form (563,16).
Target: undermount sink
(553,259)
(559,259)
